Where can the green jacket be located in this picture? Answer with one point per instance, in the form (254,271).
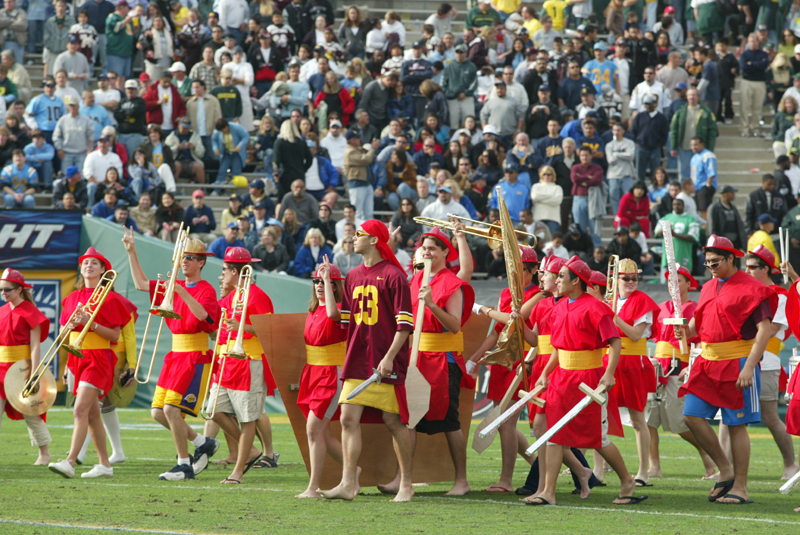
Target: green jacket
(459,78)
(706,127)
(478,19)
(119,38)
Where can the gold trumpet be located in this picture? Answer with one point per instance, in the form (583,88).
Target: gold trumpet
(612,282)
(160,289)
(166,310)
(207,403)
(94,303)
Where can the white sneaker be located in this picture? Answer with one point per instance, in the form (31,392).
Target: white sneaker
(99,471)
(115,459)
(62,468)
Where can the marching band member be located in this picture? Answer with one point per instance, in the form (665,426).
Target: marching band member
(635,376)
(23,328)
(793,388)
(378,298)
(125,349)
(320,384)
(245,383)
(760,263)
(582,327)
(94,373)
(512,441)
(599,284)
(186,369)
(448,305)
(733,322)
(669,413)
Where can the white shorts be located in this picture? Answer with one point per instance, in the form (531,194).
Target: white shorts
(247,405)
(669,414)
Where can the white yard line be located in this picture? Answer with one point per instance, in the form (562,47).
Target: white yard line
(99,528)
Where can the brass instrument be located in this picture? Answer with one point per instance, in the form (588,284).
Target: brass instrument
(94,303)
(239,303)
(612,283)
(166,310)
(494,233)
(207,402)
(33,393)
(160,289)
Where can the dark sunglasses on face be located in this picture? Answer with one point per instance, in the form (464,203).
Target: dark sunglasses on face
(316,281)
(626,278)
(712,265)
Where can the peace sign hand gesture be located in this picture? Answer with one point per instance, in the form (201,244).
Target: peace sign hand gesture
(128,239)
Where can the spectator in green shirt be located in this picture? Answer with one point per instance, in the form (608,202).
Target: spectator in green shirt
(685,234)
(230,101)
(119,40)
(482,15)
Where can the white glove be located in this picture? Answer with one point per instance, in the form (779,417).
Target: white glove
(476,308)
(471,365)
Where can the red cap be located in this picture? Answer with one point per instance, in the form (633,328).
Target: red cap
(239,255)
(336,275)
(91,252)
(581,269)
(599,279)
(553,264)
(144,77)
(766,255)
(693,285)
(438,233)
(527,254)
(12,275)
(721,242)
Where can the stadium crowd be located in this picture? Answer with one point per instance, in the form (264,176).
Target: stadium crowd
(574,114)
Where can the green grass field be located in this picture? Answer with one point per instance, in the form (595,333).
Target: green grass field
(135,501)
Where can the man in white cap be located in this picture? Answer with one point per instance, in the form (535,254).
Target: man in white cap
(335,143)
(73,137)
(107,96)
(98,162)
(180,80)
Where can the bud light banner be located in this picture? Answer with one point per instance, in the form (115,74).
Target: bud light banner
(39,239)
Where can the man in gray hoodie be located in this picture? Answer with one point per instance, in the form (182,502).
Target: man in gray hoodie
(73,137)
(459,80)
(620,152)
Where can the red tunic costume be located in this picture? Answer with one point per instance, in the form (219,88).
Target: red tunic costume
(378,300)
(15,340)
(325,353)
(635,376)
(580,332)
(793,411)
(541,319)
(436,343)
(190,340)
(501,377)
(98,362)
(237,371)
(723,310)
(664,335)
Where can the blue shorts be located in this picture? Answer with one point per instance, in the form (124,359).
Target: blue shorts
(750,414)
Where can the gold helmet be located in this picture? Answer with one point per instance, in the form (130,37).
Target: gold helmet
(196,247)
(628,267)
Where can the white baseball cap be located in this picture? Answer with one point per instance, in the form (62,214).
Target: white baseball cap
(178,66)
(489,129)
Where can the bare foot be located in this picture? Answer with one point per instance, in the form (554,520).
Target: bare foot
(404,495)
(339,492)
(499,487)
(550,499)
(712,476)
(797,510)
(646,479)
(584,480)
(626,489)
(392,487)
(654,471)
(226,460)
(231,481)
(42,461)
(789,472)
(309,494)
(730,499)
(459,489)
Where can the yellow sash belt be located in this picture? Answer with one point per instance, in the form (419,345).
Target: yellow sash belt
(580,360)
(629,347)
(774,345)
(330,355)
(186,343)
(14,353)
(92,341)
(735,349)
(664,351)
(545,348)
(442,342)
(252,347)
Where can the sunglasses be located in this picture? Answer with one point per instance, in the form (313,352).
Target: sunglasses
(7,290)
(753,267)
(712,265)
(317,281)
(361,234)
(190,257)
(626,278)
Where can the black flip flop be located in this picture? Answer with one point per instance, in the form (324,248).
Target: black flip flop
(633,499)
(739,500)
(642,483)
(543,502)
(229,480)
(250,464)
(726,486)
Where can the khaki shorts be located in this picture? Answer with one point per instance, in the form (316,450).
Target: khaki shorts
(247,405)
(769,385)
(669,414)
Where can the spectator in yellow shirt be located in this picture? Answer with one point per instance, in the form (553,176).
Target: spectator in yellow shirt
(766,225)
(555,8)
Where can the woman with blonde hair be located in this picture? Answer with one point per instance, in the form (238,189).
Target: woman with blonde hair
(781,123)
(547,196)
(291,157)
(363,76)
(336,97)
(779,78)
(310,255)
(290,224)
(393,29)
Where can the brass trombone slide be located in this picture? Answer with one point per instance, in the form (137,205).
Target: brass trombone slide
(492,226)
(240,300)
(160,288)
(612,282)
(206,400)
(493,233)
(166,310)
(94,303)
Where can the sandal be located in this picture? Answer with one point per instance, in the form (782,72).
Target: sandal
(726,486)
(230,481)
(739,500)
(267,462)
(632,500)
(250,464)
(541,502)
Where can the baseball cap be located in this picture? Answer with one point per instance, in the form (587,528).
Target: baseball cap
(523,31)
(500,82)
(490,129)
(104,139)
(729,189)
(336,123)
(178,66)
(131,84)
(213,14)
(680,85)
(105,76)
(72,100)
(461,48)
(310,143)
(121,204)
(261,206)
(591,114)
(198,193)
(265,35)
(761,28)
(272,221)
(600,46)
(445,189)
(234,197)
(258,184)
(229,37)
(71,171)
(233,225)
(403,116)
(238,50)
(766,218)
(185,122)
(581,28)
(49,83)
(144,77)
(648,99)
(417,44)
(544,87)
(37,133)
(319,48)
(669,10)
(622,230)
(352,134)
(73,39)
(122,3)
(512,168)
(606,89)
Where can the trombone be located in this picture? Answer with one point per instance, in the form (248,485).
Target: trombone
(95,301)
(207,402)
(612,282)
(493,234)
(240,299)
(159,289)
(166,310)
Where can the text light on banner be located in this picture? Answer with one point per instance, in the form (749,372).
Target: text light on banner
(33,239)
